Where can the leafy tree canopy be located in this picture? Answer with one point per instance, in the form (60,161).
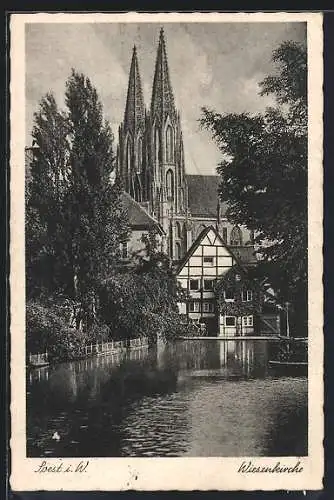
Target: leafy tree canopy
(75,219)
(264,170)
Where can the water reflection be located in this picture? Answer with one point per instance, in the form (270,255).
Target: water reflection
(195,398)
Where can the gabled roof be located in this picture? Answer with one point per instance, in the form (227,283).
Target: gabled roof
(203,195)
(243,256)
(193,247)
(138,217)
(244,273)
(246,254)
(198,241)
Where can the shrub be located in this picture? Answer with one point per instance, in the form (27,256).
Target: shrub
(47,331)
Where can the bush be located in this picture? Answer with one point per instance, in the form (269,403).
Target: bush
(47,329)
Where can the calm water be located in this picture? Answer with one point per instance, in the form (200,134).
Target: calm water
(193,398)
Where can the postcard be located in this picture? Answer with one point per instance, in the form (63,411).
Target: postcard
(166,251)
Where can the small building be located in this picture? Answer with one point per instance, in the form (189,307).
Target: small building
(239,303)
(220,289)
(140,222)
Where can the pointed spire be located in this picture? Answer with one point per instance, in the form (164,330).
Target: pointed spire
(134,116)
(162,102)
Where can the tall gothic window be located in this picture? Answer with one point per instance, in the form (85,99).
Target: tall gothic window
(140,155)
(178,230)
(170,184)
(236,236)
(156,145)
(169,145)
(177,250)
(182,198)
(128,156)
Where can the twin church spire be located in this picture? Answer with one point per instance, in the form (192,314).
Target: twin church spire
(150,150)
(162,100)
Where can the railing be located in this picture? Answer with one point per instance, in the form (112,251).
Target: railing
(113,347)
(39,359)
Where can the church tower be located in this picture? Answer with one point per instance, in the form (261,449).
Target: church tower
(150,154)
(165,153)
(131,147)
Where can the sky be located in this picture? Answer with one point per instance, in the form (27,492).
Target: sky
(217,65)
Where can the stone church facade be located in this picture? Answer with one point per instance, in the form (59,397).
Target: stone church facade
(151,163)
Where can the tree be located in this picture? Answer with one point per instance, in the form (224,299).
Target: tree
(46,187)
(142,300)
(264,171)
(97,221)
(75,218)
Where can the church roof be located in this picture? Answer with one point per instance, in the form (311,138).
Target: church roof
(162,102)
(139,218)
(134,116)
(245,254)
(203,195)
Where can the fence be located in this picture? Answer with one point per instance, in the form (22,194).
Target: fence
(113,347)
(39,359)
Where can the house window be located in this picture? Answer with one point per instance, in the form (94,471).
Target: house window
(208,307)
(229,295)
(247,320)
(170,185)
(124,250)
(236,237)
(193,306)
(246,295)
(208,285)
(194,285)
(225,234)
(208,260)
(230,321)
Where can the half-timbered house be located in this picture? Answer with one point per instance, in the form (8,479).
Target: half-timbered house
(220,290)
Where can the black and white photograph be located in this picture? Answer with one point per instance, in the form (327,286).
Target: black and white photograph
(171,208)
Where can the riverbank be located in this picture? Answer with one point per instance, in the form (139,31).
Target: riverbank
(39,360)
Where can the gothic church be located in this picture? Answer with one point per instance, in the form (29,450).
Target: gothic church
(151,163)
